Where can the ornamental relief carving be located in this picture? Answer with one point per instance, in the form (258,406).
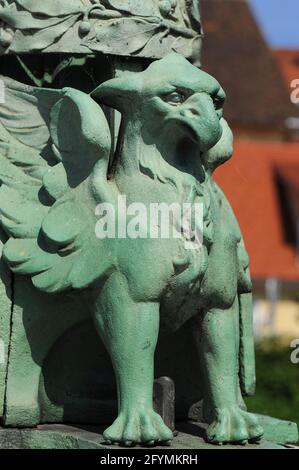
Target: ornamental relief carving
(120,27)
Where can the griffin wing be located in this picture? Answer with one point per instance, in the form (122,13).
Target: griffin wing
(54,154)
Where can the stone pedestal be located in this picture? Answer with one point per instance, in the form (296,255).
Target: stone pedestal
(58,436)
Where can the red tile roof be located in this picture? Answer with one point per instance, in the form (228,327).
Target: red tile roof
(235,52)
(289,174)
(288,60)
(261,177)
(249,181)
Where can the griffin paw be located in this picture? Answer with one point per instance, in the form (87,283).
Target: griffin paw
(234,425)
(143,427)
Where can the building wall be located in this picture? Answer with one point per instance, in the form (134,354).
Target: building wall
(279,320)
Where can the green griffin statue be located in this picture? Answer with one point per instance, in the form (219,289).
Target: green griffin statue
(57,166)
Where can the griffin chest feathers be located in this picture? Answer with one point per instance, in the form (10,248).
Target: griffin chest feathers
(186,266)
(173,174)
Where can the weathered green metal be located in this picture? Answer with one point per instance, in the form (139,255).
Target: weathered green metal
(59,159)
(56,167)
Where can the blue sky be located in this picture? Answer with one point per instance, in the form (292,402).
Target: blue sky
(279,20)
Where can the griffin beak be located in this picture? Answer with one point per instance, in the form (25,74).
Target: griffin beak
(200,120)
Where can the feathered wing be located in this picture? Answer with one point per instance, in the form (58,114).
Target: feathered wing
(54,155)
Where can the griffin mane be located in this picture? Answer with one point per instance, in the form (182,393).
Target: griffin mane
(187,187)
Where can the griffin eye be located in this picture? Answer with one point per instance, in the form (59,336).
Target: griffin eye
(219,99)
(218,102)
(174,98)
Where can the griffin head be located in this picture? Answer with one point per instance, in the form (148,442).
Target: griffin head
(171,96)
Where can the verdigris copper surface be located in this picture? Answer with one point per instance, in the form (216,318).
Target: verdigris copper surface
(148,28)
(58,166)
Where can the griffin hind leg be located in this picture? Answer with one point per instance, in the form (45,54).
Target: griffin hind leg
(129,331)
(218,343)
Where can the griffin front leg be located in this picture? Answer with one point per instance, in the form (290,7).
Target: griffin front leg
(129,331)
(218,343)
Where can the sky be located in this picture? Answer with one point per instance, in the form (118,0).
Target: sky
(279,20)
